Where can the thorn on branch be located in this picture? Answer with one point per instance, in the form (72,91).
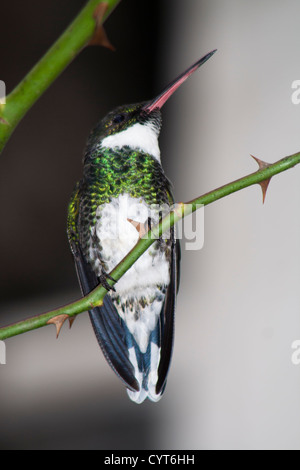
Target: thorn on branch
(71,321)
(265,183)
(58,321)
(141,228)
(100,37)
(260,163)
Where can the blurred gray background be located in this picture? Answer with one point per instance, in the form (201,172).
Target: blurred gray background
(232,384)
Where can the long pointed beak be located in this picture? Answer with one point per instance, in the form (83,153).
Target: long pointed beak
(160,100)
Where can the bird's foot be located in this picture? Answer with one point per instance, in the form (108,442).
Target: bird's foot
(103,281)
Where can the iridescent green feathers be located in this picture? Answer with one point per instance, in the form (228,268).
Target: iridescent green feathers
(107,174)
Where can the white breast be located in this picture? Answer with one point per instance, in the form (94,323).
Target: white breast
(118,236)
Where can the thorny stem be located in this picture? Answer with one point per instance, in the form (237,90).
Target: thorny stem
(95,298)
(20,100)
(58,57)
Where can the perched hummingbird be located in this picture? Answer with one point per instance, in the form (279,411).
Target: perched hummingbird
(124,188)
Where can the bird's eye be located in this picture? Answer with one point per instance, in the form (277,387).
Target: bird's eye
(118,118)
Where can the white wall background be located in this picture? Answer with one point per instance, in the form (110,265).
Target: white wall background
(239,305)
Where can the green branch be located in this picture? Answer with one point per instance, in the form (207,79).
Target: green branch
(87,27)
(58,57)
(95,298)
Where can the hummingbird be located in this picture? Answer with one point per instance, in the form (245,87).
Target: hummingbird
(122,193)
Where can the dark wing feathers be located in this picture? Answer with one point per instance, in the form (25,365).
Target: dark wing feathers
(107,325)
(167,319)
(109,331)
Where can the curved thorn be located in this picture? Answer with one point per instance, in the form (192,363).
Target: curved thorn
(58,321)
(265,183)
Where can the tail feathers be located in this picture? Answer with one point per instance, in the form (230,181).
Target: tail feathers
(138,370)
(109,331)
(145,369)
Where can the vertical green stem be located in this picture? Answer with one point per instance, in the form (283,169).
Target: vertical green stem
(63,51)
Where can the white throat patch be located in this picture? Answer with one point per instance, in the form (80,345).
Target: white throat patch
(139,136)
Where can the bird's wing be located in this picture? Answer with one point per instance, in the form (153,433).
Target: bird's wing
(167,317)
(109,328)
